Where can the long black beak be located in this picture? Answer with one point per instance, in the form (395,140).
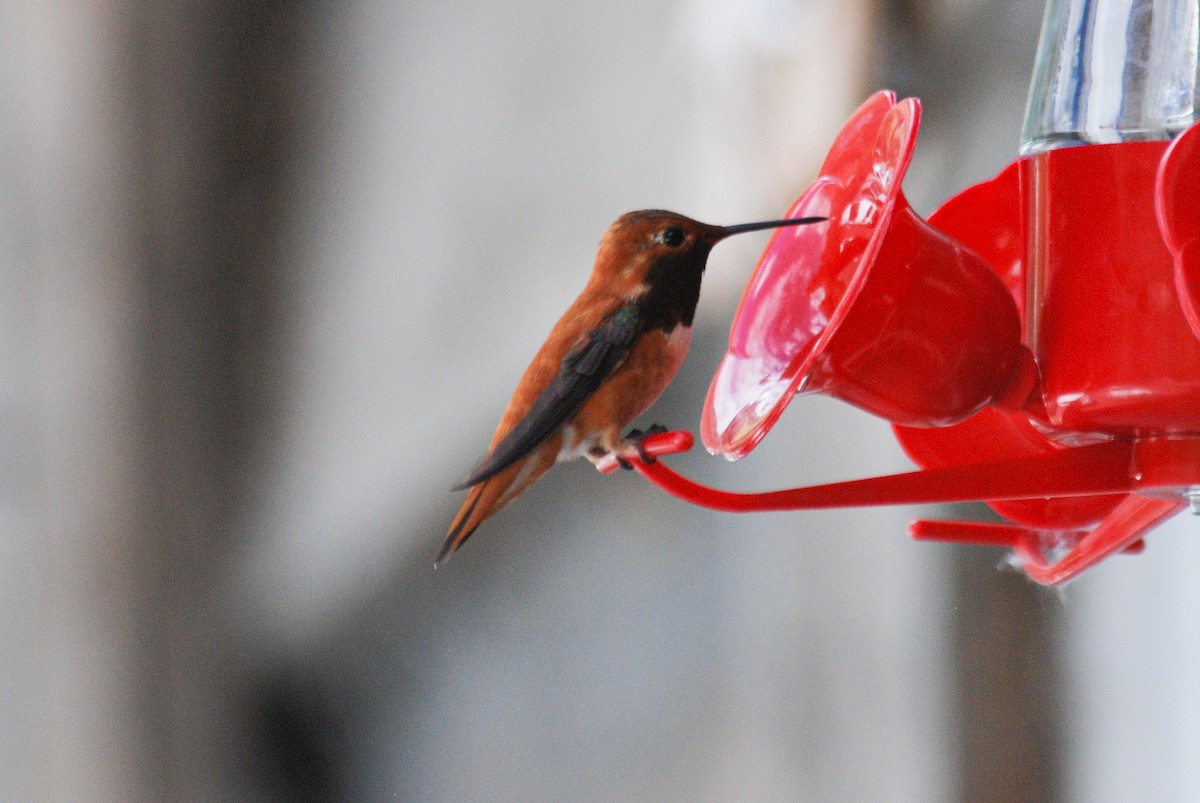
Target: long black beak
(742,228)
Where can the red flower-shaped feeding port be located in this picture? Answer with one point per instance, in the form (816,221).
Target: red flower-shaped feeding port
(875,307)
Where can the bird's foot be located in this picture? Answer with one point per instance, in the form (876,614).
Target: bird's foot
(637,438)
(601,456)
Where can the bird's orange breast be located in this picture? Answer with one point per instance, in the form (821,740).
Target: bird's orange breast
(652,363)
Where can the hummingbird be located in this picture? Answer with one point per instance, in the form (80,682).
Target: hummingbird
(608,358)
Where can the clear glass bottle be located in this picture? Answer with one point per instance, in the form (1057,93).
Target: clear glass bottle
(1113,71)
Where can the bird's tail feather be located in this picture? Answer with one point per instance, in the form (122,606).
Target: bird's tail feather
(489,496)
(464,523)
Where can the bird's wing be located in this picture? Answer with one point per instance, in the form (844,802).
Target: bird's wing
(583,370)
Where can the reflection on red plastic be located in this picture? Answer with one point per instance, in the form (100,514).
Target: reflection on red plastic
(792,304)
(1121,531)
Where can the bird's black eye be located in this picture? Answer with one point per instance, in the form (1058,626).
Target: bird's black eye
(672,237)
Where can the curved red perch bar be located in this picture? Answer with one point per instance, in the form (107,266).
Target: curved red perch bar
(1158,465)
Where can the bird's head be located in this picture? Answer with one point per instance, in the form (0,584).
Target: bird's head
(650,247)
(663,254)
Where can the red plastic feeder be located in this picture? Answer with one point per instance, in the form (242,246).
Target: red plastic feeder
(1036,343)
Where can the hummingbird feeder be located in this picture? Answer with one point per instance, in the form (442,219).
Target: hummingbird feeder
(1035,343)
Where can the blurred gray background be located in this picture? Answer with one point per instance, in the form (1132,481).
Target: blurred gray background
(270,272)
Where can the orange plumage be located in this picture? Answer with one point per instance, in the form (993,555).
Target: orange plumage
(608,358)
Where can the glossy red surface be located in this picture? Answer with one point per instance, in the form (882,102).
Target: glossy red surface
(997,435)
(874,307)
(1178,207)
(987,218)
(1116,353)
(790,308)
(1121,531)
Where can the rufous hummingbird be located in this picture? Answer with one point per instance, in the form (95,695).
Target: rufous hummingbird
(608,358)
